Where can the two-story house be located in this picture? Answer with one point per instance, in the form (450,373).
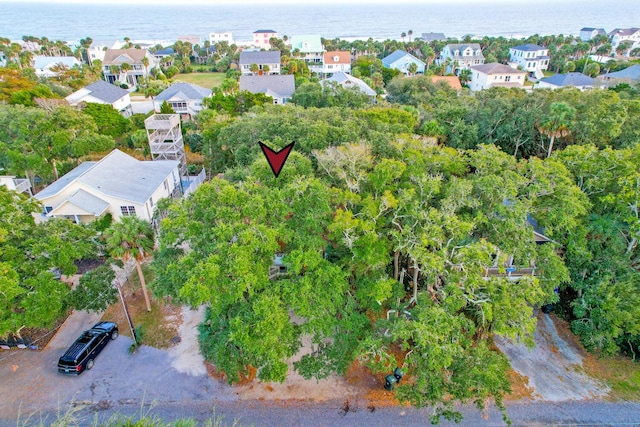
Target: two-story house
(261,38)
(588,33)
(221,37)
(401,60)
(48,66)
(494,74)
(267,62)
(530,58)
(118,184)
(336,62)
(458,57)
(620,35)
(115,70)
(184,98)
(309,48)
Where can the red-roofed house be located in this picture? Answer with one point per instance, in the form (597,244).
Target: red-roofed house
(336,61)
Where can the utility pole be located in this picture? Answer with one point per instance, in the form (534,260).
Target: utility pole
(126,313)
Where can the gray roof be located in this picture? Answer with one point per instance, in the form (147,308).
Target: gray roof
(264,31)
(529,47)
(260,57)
(346,80)
(282,86)
(428,37)
(183,91)
(106,91)
(600,30)
(624,31)
(569,79)
(118,175)
(496,68)
(631,73)
(390,59)
(87,202)
(464,46)
(40,62)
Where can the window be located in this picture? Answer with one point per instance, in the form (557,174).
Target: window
(165,184)
(128,210)
(336,58)
(179,106)
(151,201)
(48,209)
(507,78)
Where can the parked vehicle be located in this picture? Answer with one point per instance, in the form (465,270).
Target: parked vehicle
(82,353)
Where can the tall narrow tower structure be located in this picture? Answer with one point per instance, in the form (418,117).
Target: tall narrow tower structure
(165,139)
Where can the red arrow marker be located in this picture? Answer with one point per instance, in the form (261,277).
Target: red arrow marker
(276,159)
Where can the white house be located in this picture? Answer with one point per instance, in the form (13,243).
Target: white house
(531,58)
(619,35)
(588,33)
(19,185)
(558,81)
(114,60)
(221,37)
(488,75)
(118,184)
(279,87)
(96,52)
(347,81)
(336,62)
(270,58)
(309,48)
(261,38)
(45,65)
(401,60)
(102,92)
(184,98)
(460,56)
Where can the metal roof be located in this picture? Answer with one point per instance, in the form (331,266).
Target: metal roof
(281,86)
(183,91)
(106,91)
(569,79)
(260,57)
(346,80)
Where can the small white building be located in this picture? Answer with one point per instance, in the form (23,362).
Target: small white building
(45,66)
(118,184)
(184,98)
(261,38)
(19,185)
(102,92)
(221,37)
(494,74)
(336,62)
(531,58)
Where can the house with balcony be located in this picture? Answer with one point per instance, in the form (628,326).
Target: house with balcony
(620,35)
(19,185)
(261,38)
(115,70)
(118,184)
(588,33)
(49,66)
(102,92)
(186,99)
(401,60)
(457,57)
(336,62)
(531,58)
(494,74)
(279,87)
(309,48)
(268,62)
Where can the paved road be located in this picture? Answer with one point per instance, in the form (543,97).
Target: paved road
(29,383)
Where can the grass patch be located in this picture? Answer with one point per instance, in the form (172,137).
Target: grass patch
(621,374)
(207,80)
(159,325)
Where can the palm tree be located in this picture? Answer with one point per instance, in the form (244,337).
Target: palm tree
(413,68)
(410,33)
(266,69)
(557,122)
(403,35)
(145,62)
(254,68)
(131,238)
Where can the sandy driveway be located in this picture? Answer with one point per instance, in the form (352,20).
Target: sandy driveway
(553,366)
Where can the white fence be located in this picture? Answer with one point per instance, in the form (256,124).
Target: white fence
(197,181)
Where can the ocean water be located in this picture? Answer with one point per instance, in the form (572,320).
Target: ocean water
(515,18)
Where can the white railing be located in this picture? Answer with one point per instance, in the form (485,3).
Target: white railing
(197,181)
(22,185)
